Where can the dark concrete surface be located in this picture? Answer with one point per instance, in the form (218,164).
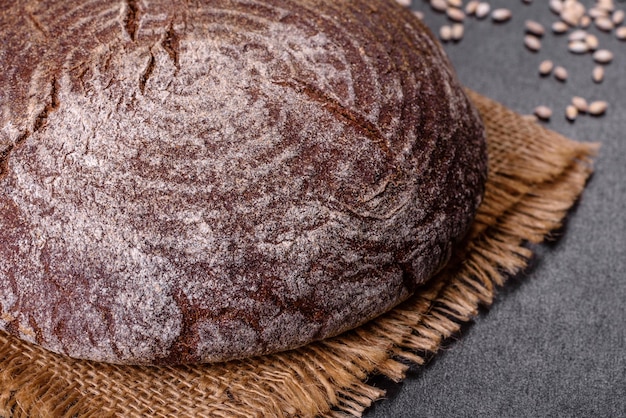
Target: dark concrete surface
(553,344)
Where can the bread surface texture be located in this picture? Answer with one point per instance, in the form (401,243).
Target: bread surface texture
(191,182)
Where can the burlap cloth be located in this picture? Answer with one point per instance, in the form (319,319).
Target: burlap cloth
(535,177)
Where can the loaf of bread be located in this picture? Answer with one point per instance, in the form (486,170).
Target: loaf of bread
(197,181)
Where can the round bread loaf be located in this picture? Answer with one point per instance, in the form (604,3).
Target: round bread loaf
(199,181)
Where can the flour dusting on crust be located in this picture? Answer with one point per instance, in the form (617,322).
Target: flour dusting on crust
(220,180)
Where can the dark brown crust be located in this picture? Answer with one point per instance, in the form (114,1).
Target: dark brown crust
(205,181)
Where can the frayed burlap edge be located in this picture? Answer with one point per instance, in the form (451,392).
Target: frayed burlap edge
(535,177)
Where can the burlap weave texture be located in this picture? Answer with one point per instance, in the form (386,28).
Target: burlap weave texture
(535,177)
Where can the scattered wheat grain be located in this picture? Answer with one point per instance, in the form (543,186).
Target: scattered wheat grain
(543,112)
(571,113)
(592,41)
(501,15)
(471,7)
(545,68)
(598,108)
(598,74)
(445,33)
(559,27)
(604,23)
(482,10)
(560,73)
(580,103)
(457,32)
(534,28)
(603,56)
(578,47)
(532,42)
(439,5)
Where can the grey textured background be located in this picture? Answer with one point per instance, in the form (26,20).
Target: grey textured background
(554,342)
